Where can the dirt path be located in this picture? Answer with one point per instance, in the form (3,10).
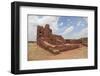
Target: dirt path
(37,53)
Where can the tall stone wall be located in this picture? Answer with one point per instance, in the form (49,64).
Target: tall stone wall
(46,34)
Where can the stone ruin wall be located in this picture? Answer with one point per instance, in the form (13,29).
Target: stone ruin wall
(45,34)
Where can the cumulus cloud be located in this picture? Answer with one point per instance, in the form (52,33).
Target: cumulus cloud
(61,24)
(83,33)
(68,30)
(78,23)
(33,21)
(53,21)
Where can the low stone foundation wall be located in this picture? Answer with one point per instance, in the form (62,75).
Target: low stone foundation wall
(74,41)
(55,49)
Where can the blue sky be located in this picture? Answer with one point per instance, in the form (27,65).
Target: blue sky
(70,27)
(77,24)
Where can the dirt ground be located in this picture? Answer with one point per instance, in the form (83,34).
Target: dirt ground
(37,53)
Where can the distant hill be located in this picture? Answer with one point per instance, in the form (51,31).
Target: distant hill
(31,41)
(83,41)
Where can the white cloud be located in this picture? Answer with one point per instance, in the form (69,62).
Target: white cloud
(51,20)
(68,30)
(33,21)
(32,24)
(78,23)
(61,24)
(83,33)
(32,33)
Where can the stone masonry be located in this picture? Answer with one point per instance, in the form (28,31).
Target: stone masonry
(53,43)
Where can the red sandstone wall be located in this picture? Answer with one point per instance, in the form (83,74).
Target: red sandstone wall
(59,43)
(73,41)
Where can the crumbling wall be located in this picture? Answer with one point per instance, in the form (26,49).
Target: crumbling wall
(72,41)
(54,43)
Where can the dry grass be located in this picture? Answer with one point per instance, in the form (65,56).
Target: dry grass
(37,53)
